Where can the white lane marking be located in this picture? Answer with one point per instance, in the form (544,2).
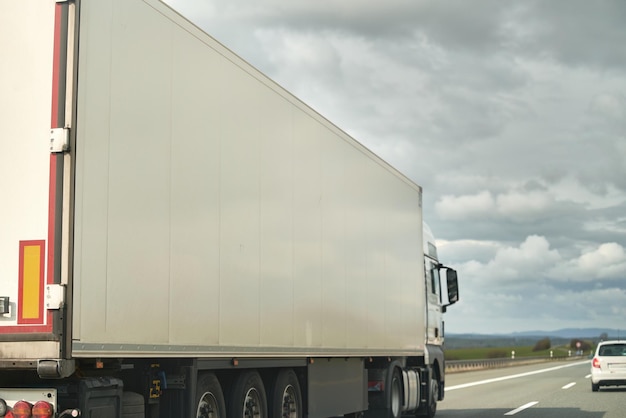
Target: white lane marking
(521,408)
(513,376)
(588,376)
(569,385)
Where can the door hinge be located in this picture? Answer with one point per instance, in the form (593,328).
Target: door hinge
(59,140)
(54,296)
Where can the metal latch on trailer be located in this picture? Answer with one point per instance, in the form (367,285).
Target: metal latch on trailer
(54,296)
(59,140)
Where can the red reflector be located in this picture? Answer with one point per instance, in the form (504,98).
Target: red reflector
(22,409)
(595,363)
(42,409)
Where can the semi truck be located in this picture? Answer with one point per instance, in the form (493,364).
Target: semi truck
(182,237)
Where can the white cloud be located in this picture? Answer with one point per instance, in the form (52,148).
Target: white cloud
(532,256)
(504,312)
(607,261)
(514,205)
(571,189)
(524,284)
(527,262)
(467,250)
(609,105)
(607,254)
(617,224)
(466,207)
(518,205)
(534,259)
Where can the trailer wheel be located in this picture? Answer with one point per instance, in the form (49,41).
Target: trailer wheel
(286,396)
(209,397)
(248,398)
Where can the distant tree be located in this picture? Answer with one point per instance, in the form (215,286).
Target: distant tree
(604,336)
(543,344)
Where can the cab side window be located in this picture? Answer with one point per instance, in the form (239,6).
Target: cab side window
(432,275)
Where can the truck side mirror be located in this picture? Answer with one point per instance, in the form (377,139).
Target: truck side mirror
(453,286)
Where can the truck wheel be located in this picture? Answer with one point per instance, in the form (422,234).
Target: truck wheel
(430,409)
(396,391)
(595,387)
(433,396)
(209,397)
(286,396)
(248,399)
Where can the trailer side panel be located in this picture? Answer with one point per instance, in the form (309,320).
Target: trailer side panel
(218,215)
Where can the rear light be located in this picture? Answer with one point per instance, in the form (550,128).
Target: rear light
(595,363)
(22,409)
(42,409)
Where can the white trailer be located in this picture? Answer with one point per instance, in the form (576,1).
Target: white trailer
(182,237)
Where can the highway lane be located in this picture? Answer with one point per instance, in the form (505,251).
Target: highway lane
(548,390)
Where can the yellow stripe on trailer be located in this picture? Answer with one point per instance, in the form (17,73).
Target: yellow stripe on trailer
(31,282)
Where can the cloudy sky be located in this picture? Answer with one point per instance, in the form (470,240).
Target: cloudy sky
(510,114)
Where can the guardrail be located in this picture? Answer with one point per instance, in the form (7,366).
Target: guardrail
(453,366)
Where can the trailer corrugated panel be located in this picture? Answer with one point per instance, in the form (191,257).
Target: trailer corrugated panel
(217,215)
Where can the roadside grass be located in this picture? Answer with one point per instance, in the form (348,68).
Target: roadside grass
(503,352)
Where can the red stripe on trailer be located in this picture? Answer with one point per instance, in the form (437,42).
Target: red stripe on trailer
(54,123)
(56,66)
(25,329)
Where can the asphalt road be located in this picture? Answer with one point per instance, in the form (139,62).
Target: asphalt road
(549,390)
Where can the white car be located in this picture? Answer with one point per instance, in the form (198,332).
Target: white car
(608,367)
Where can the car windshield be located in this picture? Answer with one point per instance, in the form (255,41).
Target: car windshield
(613,350)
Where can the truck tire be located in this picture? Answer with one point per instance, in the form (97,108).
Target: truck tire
(396,390)
(430,409)
(209,397)
(387,403)
(248,398)
(286,400)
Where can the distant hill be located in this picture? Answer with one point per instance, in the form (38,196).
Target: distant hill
(562,333)
(575,333)
(526,338)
